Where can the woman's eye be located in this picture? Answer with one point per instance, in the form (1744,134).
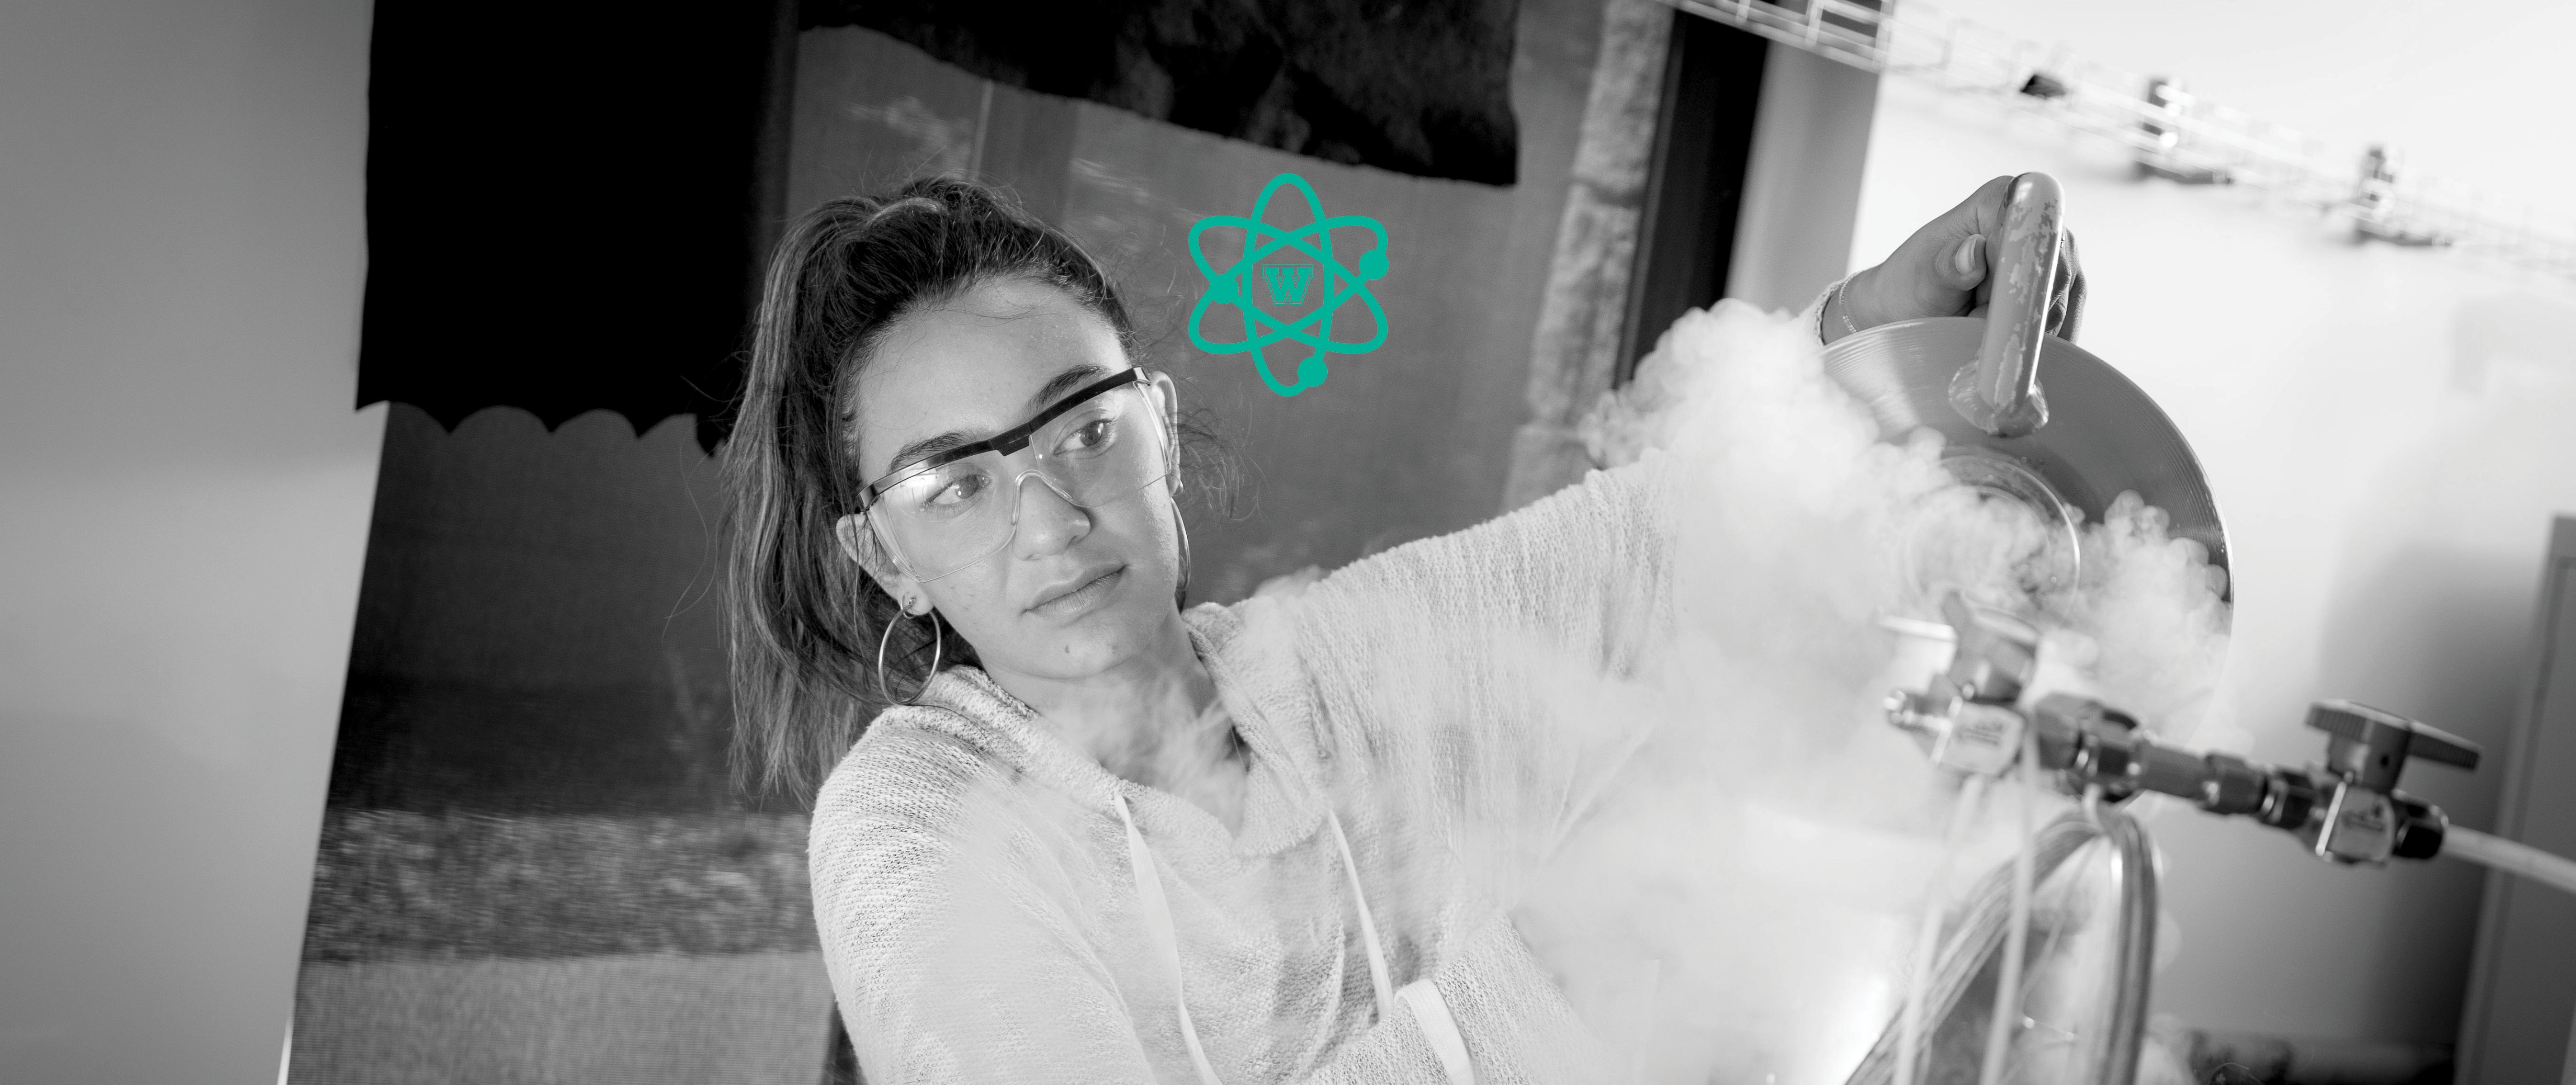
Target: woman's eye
(960,490)
(1092,434)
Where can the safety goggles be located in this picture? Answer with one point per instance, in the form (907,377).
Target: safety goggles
(946,511)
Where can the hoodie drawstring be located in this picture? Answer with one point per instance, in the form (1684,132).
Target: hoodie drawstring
(1430,1010)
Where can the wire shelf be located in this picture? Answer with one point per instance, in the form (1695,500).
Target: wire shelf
(2169,132)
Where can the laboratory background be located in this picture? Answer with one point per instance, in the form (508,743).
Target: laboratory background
(364,368)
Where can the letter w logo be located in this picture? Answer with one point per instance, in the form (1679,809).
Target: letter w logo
(1287,282)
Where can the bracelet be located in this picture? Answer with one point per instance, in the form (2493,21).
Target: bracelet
(1824,300)
(1849,328)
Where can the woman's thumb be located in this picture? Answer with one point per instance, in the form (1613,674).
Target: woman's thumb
(1964,266)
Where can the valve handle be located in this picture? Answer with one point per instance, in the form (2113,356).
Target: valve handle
(1996,654)
(1999,392)
(2371,746)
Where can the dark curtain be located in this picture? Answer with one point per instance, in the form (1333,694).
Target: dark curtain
(1422,88)
(565,205)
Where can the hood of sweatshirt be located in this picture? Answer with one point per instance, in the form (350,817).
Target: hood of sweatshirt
(1252,659)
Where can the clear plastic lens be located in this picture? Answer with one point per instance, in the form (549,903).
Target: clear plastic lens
(1091,434)
(948,492)
(952,516)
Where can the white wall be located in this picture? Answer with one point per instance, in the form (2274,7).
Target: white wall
(184,496)
(1802,179)
(2388,433)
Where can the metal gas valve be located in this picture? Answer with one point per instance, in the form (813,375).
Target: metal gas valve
(2366,819)
(2347,810)
(1966,720)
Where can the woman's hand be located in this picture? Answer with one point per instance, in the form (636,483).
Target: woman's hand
(1941,271)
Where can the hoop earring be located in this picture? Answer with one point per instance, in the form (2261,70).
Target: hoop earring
(1180,595)
(938,644)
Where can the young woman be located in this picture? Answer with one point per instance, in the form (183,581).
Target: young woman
(1065,829)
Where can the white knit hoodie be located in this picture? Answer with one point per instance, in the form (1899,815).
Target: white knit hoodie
(976,900)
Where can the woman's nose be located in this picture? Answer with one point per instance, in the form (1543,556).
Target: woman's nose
(1047,521)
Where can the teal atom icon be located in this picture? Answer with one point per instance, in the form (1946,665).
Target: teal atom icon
(1287,282)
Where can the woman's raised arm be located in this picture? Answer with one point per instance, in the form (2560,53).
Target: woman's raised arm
(1584,572)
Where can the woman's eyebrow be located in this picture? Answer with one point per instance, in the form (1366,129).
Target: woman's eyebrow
(925,448)
(1046,395)
(1064,382)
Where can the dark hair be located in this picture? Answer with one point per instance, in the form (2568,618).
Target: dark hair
(804,621)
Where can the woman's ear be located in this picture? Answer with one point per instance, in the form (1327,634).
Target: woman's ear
(1167,399)
(859,543)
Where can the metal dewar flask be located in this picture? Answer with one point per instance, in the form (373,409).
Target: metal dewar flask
(2024,414)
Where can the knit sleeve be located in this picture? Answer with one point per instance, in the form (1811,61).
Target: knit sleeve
(1465,690)
(1458,666)
(1584,571)
(1516,1025)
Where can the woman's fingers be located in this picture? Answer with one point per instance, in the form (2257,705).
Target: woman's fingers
(1953,278)
(2066,294)
(1944,269)
(1963,269)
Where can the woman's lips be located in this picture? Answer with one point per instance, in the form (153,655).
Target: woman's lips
(1072,604)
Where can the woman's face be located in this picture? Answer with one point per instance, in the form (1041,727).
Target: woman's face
(1077,591)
